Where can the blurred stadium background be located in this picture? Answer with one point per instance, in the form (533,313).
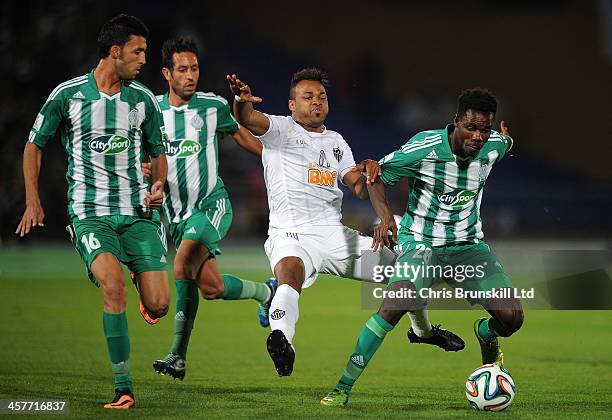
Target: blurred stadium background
(396,68)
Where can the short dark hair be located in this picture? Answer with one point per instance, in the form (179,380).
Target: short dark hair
(176,45)
(310,73)
(118,30)
(477,99)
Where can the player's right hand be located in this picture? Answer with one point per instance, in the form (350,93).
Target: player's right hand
(32,216)
(241,89)
(380,235)
(146,169)
(155,198)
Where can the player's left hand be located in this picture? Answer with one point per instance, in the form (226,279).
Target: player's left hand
(381,234)
(371,168)
(146,169)
(503,129)
(155,198)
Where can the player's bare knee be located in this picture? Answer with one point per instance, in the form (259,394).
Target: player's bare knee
(400,298)
(290,270)
(179,272)
(391,316)
(115,293)
(157,309)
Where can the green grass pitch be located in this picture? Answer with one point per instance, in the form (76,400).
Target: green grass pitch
(52,346)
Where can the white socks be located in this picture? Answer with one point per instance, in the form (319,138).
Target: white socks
(284,311)
(420,323)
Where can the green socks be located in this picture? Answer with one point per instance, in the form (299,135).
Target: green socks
(235,288)
(118,342)
(187,301)
(370,339)
(489,329)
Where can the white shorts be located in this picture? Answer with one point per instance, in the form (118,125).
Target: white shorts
(336,250)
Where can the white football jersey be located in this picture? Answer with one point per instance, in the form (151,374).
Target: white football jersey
(302,169)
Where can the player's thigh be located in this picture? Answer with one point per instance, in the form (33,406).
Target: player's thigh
(143,244)
(107,270)
(288,251)
(476,268)
(350,255)
(409,277)
(206,227)
(92,237)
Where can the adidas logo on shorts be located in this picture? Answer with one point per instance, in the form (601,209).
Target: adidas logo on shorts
(358,360)
(277,314)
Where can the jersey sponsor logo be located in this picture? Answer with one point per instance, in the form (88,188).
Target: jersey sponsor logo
(457,198)
(182,148)
(109,144)
(277,314)
(322,177)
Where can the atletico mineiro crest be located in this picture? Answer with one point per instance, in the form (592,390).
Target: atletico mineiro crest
(338,154)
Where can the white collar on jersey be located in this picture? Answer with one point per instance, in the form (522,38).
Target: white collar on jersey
(310,133)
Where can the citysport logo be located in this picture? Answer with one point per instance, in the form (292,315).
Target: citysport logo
(110,144)
(457,198)
(182,148)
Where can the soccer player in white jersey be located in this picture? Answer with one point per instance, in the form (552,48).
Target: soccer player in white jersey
(197,205)
(109,123)
(303,162)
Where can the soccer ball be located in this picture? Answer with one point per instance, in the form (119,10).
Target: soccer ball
(490,388)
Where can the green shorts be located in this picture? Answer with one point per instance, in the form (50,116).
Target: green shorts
(207,225)
(138,243)
(468,266)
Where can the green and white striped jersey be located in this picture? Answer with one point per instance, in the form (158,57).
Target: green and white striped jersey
(106,138)
(192,151)
(445,192)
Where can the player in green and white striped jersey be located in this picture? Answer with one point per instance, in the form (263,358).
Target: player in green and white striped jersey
(197,205)
(447,170)
(109,123)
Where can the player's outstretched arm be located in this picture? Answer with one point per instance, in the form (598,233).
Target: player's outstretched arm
(355,180)
(159,171)
(247,141)
(253,120)
(34,214)
(378,197)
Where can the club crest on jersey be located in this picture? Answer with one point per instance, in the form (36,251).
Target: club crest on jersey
(338,153)
(457,198)
(109,144)
(482,174)
(197,122)
(182,148)
(134,119)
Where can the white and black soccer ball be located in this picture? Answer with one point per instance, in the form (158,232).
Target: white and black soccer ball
(490,388)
